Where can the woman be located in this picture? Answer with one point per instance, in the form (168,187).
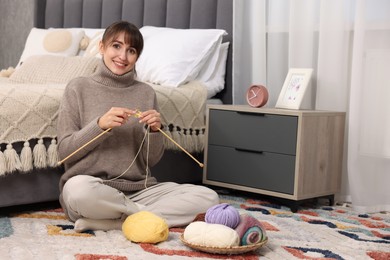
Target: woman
(108,180)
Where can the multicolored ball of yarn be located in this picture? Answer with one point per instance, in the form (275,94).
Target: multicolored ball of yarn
(223,214)
(250,230)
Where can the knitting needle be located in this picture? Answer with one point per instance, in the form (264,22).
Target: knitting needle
(138,114)
(109,129)
(96,137)
(178,145)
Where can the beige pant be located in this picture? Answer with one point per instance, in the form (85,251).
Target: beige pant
(87,197)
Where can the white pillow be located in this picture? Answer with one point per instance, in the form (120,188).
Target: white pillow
(210,65)
(213,75)
(172,57)
(95,36)
(93,46)
(92,32)
(61,42)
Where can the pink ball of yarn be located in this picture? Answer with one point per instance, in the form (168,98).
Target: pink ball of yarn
(223,214)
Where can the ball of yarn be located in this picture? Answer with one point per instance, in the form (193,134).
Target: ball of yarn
(250,230)
(223,214)
(211,235)
(145,227)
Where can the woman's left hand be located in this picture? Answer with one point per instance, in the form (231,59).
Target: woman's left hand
(151,118)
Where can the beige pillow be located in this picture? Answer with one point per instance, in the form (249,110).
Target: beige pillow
(61,42)
(42,69)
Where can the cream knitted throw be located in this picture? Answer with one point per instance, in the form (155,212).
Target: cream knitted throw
(29,112)
(183,114)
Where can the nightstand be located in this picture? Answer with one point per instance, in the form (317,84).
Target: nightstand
(289,154)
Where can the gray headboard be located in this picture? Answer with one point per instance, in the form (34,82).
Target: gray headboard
(164,13)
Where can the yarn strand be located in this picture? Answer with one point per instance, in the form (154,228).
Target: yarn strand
(136,156)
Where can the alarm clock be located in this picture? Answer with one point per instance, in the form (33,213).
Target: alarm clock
(257,96)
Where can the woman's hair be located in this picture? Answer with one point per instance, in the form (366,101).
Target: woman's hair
(133,36)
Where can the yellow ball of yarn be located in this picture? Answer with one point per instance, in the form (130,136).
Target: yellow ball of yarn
(145,227)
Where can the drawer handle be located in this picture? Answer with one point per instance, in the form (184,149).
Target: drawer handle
(250,113)
(247,150)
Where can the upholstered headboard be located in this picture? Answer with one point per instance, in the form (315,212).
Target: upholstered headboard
(164,13)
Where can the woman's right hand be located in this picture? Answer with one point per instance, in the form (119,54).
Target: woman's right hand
(115,117)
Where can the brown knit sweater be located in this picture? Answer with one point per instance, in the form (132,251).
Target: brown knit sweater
(85,100)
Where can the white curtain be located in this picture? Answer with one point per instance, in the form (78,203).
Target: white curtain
(347,43)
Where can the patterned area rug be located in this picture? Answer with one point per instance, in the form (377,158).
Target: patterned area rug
(322,232)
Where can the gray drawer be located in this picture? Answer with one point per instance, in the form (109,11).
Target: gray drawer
(253,131)
(267,171)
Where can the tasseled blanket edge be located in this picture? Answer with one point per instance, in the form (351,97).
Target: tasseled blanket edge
(28,159)
(190,139)
(41,157)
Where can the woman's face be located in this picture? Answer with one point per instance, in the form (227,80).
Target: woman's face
(118,56)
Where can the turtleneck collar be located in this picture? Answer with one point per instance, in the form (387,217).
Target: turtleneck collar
(105,76)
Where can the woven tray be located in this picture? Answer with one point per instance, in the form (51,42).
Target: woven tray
(234,250)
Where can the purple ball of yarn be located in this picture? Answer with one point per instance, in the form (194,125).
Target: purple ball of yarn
(223,214)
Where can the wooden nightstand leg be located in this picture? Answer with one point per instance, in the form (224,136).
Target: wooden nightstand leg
(294,206)
(331,200)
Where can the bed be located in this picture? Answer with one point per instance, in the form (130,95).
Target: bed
(28,169)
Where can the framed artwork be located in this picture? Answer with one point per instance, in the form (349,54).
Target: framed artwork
(294,88)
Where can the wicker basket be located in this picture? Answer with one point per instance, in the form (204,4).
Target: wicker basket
(233,250)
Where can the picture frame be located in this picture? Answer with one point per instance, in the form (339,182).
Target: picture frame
(294,88)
